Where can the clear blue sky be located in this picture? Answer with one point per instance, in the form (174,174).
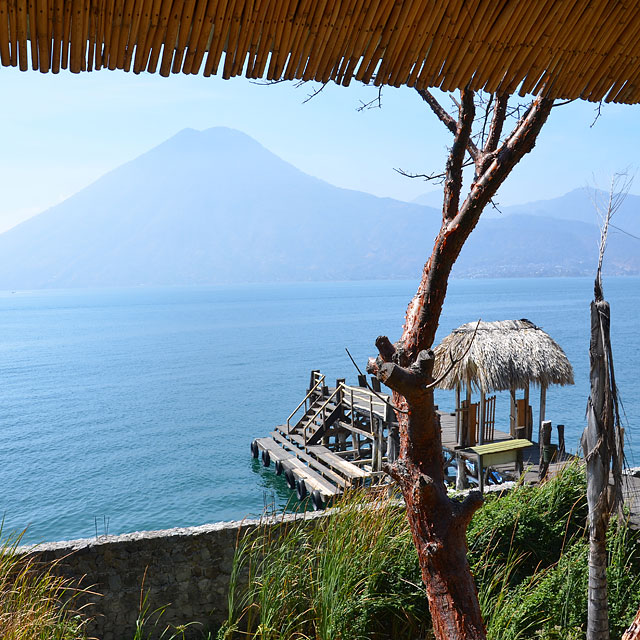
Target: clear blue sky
(62,132)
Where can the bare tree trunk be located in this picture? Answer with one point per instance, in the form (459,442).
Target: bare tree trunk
(599,411)
(438,523)
(602,441)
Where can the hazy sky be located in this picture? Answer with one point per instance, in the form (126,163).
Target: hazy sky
(61,132)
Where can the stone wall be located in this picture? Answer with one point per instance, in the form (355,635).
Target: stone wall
(186,569)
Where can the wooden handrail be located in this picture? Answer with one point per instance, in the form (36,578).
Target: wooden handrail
(317,413)
(311,391)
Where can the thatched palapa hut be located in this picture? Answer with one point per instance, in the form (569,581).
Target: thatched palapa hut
(508,355)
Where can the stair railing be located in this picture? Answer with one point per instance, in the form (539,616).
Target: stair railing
(319,383)
(319,411)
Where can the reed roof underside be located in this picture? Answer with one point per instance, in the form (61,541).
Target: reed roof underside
(500,356)
(586,49)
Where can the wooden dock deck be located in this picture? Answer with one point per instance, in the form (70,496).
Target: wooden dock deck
(339,437)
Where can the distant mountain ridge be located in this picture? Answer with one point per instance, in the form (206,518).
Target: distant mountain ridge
(215,206)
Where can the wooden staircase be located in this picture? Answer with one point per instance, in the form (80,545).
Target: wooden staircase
(337,443)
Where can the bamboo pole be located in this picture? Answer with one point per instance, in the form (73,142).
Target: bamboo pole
(147,31)
(171,34)
(245,37)
(58,32)
(77,23)
(21,14)
(184,29)
(315,55)
(86,14)
(358,47)
(233,35)
(309,41)
(301,32)
(125,31)
(278,49)
(414,40)
(375,59)
(457,44)
(522,36)
(94,16)
(206,35)
(44,40)
(13,33)
(100,36)
(108,25)
(32,32)
(220,31)
(114,37)
(159,35)
(329,62)
(356,20)
(5,54)
(194,35)
(140,9)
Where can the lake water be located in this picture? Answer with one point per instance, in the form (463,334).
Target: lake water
(134,409)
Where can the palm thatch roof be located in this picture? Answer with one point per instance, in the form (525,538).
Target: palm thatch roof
(501,355)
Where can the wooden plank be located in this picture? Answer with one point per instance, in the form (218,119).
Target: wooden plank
(313,481)
(349,427)
(274,449)
(316,465)
(342,466)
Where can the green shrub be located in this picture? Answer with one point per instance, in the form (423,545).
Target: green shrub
(355,574)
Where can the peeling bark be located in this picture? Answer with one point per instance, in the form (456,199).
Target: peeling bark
(437,522)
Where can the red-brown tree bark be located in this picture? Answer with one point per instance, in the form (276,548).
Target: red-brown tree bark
(439,523)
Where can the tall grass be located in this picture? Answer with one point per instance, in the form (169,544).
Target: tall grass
(355,574)
(35,604)
(352,575)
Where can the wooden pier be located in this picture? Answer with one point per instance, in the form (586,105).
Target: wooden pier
(339,437)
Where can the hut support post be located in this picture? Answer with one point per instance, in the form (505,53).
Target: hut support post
(482,419)
(512,413)
(543,407)
(526,412)
(458,421)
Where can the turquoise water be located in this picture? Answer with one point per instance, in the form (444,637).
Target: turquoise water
(134,408)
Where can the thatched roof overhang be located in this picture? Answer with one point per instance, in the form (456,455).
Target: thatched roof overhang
(575,48)
(500,356)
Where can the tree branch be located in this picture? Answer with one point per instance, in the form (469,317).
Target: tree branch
(448,121)
(497,122)
(433,176)
(453,180)
(424,311)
